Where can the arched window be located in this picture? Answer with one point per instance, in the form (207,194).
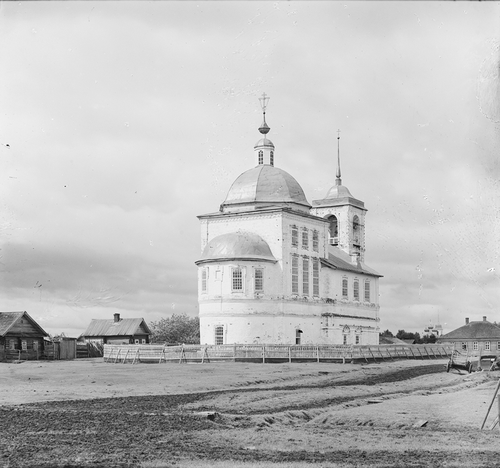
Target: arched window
(271,161)
(355,230)
(333,230)
(261,157)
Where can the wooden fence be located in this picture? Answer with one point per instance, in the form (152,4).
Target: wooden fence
(151,353)
(89,350)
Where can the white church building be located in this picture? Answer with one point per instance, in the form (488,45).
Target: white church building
(275,269)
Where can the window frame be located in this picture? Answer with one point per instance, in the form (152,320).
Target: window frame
(204,280)
(315,277)
(258,276)
(295,235)
(475,345)
(367,291)
(237,277)
(315,240)
(261,157)
(487,345)
(219,336)
(345,287)
(305,276)
(355,289)
(305,239)
(295,274)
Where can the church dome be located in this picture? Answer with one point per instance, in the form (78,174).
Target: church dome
(237,246)
(338,191)
(265,186)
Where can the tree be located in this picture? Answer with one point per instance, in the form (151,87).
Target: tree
(178,329)
(404,335)
(387,333)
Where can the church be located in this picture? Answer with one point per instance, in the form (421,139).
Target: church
(275,269)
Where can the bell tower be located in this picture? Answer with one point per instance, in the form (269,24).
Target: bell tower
(345,214)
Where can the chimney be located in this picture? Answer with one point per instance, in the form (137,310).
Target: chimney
(484,318)
(466,320)
(117,317)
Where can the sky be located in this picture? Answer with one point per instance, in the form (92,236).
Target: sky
(120,122)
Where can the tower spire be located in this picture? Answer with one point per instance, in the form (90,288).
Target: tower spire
(338,180)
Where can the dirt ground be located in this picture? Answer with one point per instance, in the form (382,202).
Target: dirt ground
(398,413)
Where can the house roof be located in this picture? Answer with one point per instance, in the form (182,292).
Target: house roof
(474,331)
(9,319)
(339,260)
(390,340)
(108,327)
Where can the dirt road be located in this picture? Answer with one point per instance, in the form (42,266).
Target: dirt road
(89,413)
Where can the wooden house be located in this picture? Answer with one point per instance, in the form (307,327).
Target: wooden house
(480,338)
(20,337)
(118,331)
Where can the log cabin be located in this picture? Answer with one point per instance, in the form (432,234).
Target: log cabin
(117,331)
(20,337)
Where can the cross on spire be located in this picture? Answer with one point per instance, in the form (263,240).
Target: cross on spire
(263,101)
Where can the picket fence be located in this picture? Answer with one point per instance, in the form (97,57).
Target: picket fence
(154,353)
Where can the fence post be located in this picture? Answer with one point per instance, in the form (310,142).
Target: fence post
(317,353)
(263,354)
(289,354)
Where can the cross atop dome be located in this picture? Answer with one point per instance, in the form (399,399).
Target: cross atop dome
(264,128)
(264,147)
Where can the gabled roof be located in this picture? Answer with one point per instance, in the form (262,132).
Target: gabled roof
(339,260)
(9,319)
(108,327)
(474,331)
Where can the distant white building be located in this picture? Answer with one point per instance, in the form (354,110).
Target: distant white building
(275,269)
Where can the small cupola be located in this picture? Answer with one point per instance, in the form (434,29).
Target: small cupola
(264,147)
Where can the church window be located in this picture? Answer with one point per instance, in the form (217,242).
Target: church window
(315,241)
(357,339)
(295,274)
(345,339)
(333,230)
(355,230)
(295,236)
(305,239)
(259,279)
(315,277)
(261,157)
(237,279)
(298,334)
(367,291)
(204,280)
(344,288)
(219,335)
(271,160)
(305,276)
(356,290)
